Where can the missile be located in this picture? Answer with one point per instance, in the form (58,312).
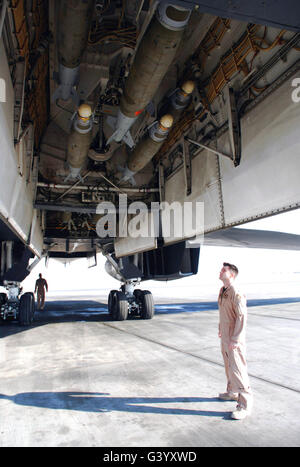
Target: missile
(148,147)
(79,141)
(73,29)
(155,54)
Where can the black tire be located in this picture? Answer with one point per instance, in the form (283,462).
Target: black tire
(33,303)
(110,303)
(26,309)
(138,293)
(3,298)
(120,306)
(147,301)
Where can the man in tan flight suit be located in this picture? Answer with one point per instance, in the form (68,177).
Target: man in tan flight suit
(232,328)
(40,286)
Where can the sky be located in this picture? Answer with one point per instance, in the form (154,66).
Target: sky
(262,272)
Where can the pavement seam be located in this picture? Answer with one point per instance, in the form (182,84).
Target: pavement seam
(197,356)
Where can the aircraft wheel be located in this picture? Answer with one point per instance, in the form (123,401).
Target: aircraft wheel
(120,306)
(147,305)
(138,294)
(26,309)
(110,304)
(3,298)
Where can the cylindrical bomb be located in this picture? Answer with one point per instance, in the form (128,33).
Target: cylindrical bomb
(80,140)
(155,54)
(73,29)
(148,147)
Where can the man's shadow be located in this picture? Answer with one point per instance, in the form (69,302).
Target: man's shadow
(102,402)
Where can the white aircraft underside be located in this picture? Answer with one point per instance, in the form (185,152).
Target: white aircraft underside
(164,102)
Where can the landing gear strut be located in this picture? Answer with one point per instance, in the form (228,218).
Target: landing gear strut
(129,302)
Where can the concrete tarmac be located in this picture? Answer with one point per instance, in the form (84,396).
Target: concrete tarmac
(77,378)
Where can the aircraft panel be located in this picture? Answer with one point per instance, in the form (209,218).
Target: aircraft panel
(235,237)
(267,179)
(145,241)
(36,236)
(273,13)
(16,194)
(205,189)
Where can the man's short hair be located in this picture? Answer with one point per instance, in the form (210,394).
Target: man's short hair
(232,268)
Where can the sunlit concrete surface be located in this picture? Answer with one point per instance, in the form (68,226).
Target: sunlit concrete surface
(76,378)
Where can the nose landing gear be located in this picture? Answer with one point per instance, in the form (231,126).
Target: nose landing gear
(128,302)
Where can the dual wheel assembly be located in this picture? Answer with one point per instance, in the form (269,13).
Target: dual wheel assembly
(122,305)
(22,308)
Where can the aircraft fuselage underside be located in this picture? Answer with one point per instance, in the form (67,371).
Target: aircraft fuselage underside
(115,115)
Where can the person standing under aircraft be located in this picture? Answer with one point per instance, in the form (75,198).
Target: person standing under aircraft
(232,329)
(40,286)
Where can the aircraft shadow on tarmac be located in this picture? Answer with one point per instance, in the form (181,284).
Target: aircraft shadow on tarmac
(103,403)
(60,311)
